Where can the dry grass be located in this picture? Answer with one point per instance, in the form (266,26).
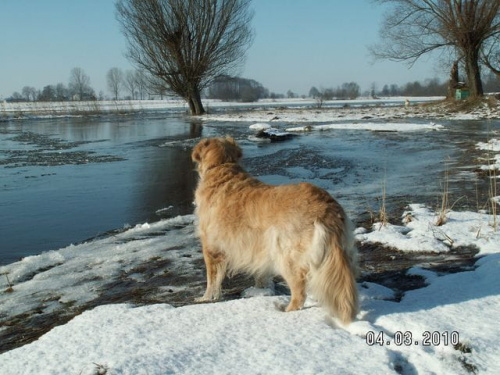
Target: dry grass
(441,220)
(492,204)
(10,288)
(492,193)
(383,217)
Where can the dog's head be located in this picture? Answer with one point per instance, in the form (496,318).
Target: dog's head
(211,152)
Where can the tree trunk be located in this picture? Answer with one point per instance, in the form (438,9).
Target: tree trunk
(195,104)
(453,83)
(473,74)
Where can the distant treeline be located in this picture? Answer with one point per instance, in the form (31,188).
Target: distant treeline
(236,89)
(227,88)
(431,87)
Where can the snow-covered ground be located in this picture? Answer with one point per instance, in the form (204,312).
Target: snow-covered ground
(391,109)
(381,127)
(421,231)
(448,327)
(64,109)
(492,154)
(294,111)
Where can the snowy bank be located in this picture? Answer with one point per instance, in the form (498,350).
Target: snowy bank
(421,233)
(492,148)
(351,111)
(448,327)
(73,276)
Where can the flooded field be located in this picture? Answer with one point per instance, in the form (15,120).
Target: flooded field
(67,180)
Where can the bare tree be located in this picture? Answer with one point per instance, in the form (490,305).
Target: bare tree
(114,78)
(79,84)
(186,43)
(142,83)
(61,92)
(29,93)
(416,27)
(130,82)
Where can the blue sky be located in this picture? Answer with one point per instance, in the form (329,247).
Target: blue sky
(298,44)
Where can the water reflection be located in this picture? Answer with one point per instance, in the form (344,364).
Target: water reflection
(43,208)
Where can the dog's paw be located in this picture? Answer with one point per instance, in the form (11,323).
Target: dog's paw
(202,300)
(206,299)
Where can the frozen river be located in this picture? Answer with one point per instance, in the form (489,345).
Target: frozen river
(64,181)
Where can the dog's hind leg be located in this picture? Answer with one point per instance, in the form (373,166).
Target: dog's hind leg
(296,280)
(216,264)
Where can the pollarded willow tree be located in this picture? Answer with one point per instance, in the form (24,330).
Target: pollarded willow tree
(185,44)
(414,28)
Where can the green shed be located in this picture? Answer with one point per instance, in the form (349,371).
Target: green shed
(462,93)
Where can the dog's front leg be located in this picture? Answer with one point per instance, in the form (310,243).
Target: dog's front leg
(216,264)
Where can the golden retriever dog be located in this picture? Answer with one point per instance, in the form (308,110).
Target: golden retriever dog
(296,231)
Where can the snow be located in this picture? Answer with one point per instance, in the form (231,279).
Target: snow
(77,274)
(492,145)
(377,127)
(251,335)
(386,109)
(260,126)
(421,233)
(492,148)
(292,111)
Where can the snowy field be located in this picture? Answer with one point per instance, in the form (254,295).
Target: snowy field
(20,110)
(447,327)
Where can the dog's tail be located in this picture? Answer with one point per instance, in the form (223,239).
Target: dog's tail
(333,269)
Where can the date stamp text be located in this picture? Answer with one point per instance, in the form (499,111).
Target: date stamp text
(407,338)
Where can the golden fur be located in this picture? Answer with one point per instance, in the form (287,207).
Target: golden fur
(297,231)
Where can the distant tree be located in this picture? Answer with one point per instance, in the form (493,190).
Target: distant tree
(314,92)
(114,79)
(417,27)
(186,44)
(385,91)
(394,90)
(16,97)
(348,90)
(79,85)
(236,89)
(142,83)
(431,87)
(61,92)
(29,93)
(274,96)
(48,94)
(373,90)
(130,82)
(326,93)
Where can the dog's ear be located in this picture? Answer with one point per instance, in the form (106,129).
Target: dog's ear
(237,148)
(196,154)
